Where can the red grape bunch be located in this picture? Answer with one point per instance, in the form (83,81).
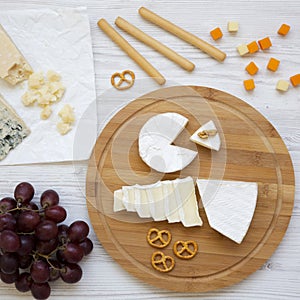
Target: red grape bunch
(35,248)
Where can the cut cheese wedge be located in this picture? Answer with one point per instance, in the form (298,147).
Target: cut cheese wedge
(155,139)
(128,198)
(171,209)
(141,203)
(229,206)
(118,201)
(212,142)
(156,202)
(187,202)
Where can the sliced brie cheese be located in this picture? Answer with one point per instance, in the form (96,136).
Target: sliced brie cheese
(229,206)
(128,198)
(156,202)
(187,202)
(155,139)
(171,209)
(141,202)
(212,142)
(118,201)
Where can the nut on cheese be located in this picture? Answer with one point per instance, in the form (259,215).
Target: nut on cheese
(13,66)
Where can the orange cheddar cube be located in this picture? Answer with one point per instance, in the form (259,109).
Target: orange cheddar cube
(295,80)
(265,43)
(249,84)
(273,64)
(251,68)
(284,29)
(216,33)
(253,47)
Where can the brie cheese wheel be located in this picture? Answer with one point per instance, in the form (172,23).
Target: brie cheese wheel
(212,142)
(229,206)
(155,139)
(187,202)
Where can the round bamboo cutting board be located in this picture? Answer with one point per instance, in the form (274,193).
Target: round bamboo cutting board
(251,151)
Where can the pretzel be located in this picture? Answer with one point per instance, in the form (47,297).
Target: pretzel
(162,262)
(182,249)
(163,237)
(122,78)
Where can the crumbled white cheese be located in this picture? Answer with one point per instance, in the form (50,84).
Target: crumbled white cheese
(63,128)
(46,112)
(67,114)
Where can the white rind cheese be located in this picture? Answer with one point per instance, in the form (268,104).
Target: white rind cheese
(12,129)
(229,206)
(155,139)
(212,142)
(172,200)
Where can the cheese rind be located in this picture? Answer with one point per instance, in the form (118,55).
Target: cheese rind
(212,142)
(155,139)
(12,129)
(13,66)
(229,206)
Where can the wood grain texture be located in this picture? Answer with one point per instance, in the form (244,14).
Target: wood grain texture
(279,277)
(261,157)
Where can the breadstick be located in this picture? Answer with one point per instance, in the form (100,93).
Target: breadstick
(153,43)
(181,33)
(131,52)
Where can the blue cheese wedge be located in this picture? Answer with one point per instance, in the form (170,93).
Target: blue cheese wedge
(207,136)
(229,206)
(13,66)
(155,143)
(12,129)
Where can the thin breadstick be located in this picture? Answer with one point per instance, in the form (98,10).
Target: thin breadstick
(153,43)
(131,52)
(181,33)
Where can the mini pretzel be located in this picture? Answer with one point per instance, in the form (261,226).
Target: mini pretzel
(183,250)
(122,79)
(163,237)
(161,262)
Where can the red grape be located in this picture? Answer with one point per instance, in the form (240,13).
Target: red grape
(7,204)
(25,261)
(63,233)
(87,246)
(9,278)
(49,198)
(73,253)
(7,221)
(55,213)
(54,272)
(9,241)
(46,230)
(46,247)
(28,220)
(24,192)
(40,291)
(27,244)
(9,263)
(23,282)
(78,231)
(60,257)
(40,271)
(71,273)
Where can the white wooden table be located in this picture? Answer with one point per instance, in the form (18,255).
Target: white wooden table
(279,278)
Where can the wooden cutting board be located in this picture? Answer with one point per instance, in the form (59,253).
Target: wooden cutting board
(252,150)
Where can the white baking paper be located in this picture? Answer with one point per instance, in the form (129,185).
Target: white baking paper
(56,40)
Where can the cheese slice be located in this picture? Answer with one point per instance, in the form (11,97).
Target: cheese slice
(171,209)
(12,129)
(128,198)
(229,206)
(118,201)
(141,202)
(212,142)
(13,66)
(155,139)
(156,202)
(187,202)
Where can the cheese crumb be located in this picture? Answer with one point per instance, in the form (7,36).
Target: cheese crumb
(63,128)
(53,76)
(36,80)
(67,114)
(46,112)
(29,98)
